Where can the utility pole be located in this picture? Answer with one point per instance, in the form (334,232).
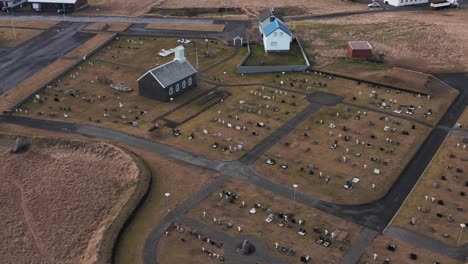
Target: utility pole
(196,53)
(13,25)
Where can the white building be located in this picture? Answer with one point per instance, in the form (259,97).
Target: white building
(267,17)
(405,2)
(10,4)
(276,37)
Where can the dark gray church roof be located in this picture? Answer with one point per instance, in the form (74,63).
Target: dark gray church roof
(268,13)
(172,72)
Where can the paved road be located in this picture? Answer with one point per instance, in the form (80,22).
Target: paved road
(22,62)
(359,247)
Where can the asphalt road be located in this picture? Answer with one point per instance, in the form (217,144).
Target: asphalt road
(20,63)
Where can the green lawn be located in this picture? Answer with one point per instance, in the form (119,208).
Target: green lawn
(258,57)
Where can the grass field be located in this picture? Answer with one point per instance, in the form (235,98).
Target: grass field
(448,210)
(35,24)
(271,233)
(463,120)
(110,27)
(308,153)
(258,57)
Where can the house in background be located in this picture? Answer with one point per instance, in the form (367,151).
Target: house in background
(276,37)
(64,6)
(267,17)
(405,2)
(170,79)
(359,50)
(10,4)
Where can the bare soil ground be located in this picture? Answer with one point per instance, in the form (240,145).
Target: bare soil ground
(401,254)
(307,152)
(252,8)
(463,120)
(445,187)
(189,27)
(429,40)
(57,195)
(179,246)
(254,224)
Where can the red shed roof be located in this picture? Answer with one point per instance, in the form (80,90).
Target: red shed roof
(360,45)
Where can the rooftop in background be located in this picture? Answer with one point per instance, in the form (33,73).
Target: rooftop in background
(53,1)
(268,13)
(360,45)
(271,27)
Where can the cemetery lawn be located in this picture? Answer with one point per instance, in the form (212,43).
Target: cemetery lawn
(254,224)
(448,191)
(258,57)
(143,52)
(224,136)
(307,151)
(463,120)
(94,99)
(402,253)
(171,249)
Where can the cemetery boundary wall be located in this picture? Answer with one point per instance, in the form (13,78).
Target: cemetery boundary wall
(241,68)
(65,72)
(112,234)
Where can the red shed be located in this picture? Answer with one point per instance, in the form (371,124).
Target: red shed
(359,50)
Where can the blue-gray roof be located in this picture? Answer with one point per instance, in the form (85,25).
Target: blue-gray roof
(172,72)
(270,27)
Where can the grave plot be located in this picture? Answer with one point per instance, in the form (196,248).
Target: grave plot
(344,155)
(103,94)
(437,205)
(425,108)
(183,244)
(148,52)
(232,127)
(388,250)
(292,231)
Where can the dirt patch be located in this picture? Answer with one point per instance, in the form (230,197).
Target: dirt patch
(188,27)
(59,194)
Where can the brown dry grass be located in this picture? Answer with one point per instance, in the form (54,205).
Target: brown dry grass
(90,45)
(167,176)
(110,27)
(35,24)
(463,120)
(412,39)
(401,254)
(8,40)
(271,232)
(301,151)
(48,225)
(448,191)
(188,27)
